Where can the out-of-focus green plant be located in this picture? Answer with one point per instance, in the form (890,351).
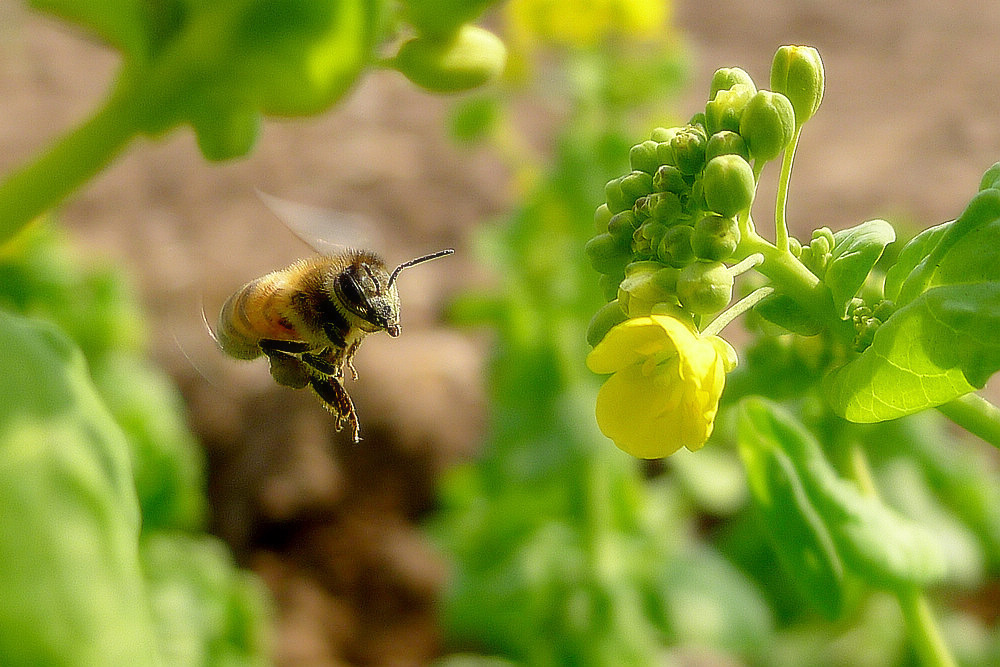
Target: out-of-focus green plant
(102,480)
(105,561)
(222,66)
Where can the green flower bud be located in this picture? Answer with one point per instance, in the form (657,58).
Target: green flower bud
(645,285)
(608,284)
(715,238)
(723,112)
(705,288)
(467,58)
(664,134)
(688,148)
(817,255)
(794,246)
(675,246)
(884,309)
(661,207)
(726,143)
(607,317)
(602,216)
(647,238)
(669,178)
(728,185)
(865,323)
(225,133)
(622,226)
(664,154)
(615,197)
(442,17)
(797,73)
(698,121)
(606,254)
(767,125)
(727,77)
(634,185)
(643,157)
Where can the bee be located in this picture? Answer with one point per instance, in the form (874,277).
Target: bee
(309,319)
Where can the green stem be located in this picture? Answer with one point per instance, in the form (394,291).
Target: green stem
(737,309)
(66,165)
(791,277)
(976,415)
(924,632)
(780,225)
(917,613)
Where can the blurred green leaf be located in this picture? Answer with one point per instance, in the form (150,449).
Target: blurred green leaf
(207,612)
(881,546)
(69,518)
(711,603)
(167,460)
(791,521)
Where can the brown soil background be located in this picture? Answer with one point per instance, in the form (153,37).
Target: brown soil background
(909,123)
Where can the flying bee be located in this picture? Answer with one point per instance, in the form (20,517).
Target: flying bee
(309,319)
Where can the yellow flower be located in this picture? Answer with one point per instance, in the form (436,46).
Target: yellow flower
(587,23)
(665,385)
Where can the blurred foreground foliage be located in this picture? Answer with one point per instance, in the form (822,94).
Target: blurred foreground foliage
(101,507)
(567,551)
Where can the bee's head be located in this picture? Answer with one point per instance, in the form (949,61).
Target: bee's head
(367,290)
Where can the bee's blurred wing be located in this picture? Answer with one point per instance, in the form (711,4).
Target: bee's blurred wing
(326,231)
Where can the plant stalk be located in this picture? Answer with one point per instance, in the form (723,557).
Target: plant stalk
(976,415)
(70,162)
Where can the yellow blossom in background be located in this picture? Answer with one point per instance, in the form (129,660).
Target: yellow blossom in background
(665,385)
(586,23)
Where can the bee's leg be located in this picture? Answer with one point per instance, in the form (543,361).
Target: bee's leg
(288,370)
(268,345)
(323,364)
(349,357)
(337,401)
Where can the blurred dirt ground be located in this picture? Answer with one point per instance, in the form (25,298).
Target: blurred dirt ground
(909,123)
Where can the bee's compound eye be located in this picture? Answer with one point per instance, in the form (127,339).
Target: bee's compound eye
(350,290)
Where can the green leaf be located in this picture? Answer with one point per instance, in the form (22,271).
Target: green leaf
(793,526)
(787,313)
(73,593)
(854,254)
(910,256)
(944,344)
(207,611)
(967,252)
(991,178)
(945,339)
(881,546)
(120,23)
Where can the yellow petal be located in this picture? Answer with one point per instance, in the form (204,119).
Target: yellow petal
(626,344)
(630,411)
(633,340)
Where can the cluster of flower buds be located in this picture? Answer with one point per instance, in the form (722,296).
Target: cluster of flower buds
(668,226)
(867,319)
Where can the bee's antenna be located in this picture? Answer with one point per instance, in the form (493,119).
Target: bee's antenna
(418,260)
